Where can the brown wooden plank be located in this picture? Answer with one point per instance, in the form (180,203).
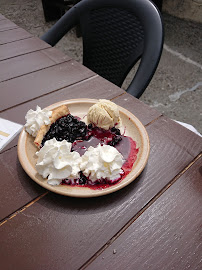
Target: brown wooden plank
(56,55)
(191,142)
(41,82)
(167,235)
(27,63)
(182,136)
(21,47)
(13,35)
(84,89)
(17,188)
(78,228)
(95,87)
(7,25)
(142,111)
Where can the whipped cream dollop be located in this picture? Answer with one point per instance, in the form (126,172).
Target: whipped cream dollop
(102,162)
(104,114)
(35,119)
(57,162)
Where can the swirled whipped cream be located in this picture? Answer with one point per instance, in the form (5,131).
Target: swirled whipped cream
(102,162)
(35,119)
(57,162)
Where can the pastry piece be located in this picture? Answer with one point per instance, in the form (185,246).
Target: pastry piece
(57,113)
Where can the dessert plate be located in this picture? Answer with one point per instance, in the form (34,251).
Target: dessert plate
(79,107)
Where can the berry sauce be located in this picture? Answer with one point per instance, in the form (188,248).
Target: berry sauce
(81,136)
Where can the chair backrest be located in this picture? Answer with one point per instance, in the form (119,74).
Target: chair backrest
(116,34)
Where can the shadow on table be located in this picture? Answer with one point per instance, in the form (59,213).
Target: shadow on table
(29,186)
(80,206)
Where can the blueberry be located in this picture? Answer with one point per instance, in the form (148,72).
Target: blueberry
(62,124)
(60,129)
(82,124)
(90,126)
(69,118)
(82,130)
(75,120)
(83,179)
(74,130)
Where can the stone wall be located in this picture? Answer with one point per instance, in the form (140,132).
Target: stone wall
(185,9)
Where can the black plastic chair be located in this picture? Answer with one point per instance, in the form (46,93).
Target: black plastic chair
(116,34)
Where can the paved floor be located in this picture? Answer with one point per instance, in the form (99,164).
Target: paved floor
(175,89)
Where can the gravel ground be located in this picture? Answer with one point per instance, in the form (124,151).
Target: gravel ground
(175,89)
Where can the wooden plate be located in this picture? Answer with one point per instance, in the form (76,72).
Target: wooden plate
(79,107)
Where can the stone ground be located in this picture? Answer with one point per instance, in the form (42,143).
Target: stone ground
(175,89)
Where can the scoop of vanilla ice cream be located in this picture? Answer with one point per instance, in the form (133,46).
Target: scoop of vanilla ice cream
(57,162)
(102,162)
(35,119)
(104,114)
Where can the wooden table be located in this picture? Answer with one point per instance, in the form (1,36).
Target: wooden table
(153,223)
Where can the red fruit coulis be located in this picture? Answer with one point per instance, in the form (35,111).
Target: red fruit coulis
(92,136)
(127,147)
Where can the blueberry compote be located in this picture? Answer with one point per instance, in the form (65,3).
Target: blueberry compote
(71,129)
(67,128)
